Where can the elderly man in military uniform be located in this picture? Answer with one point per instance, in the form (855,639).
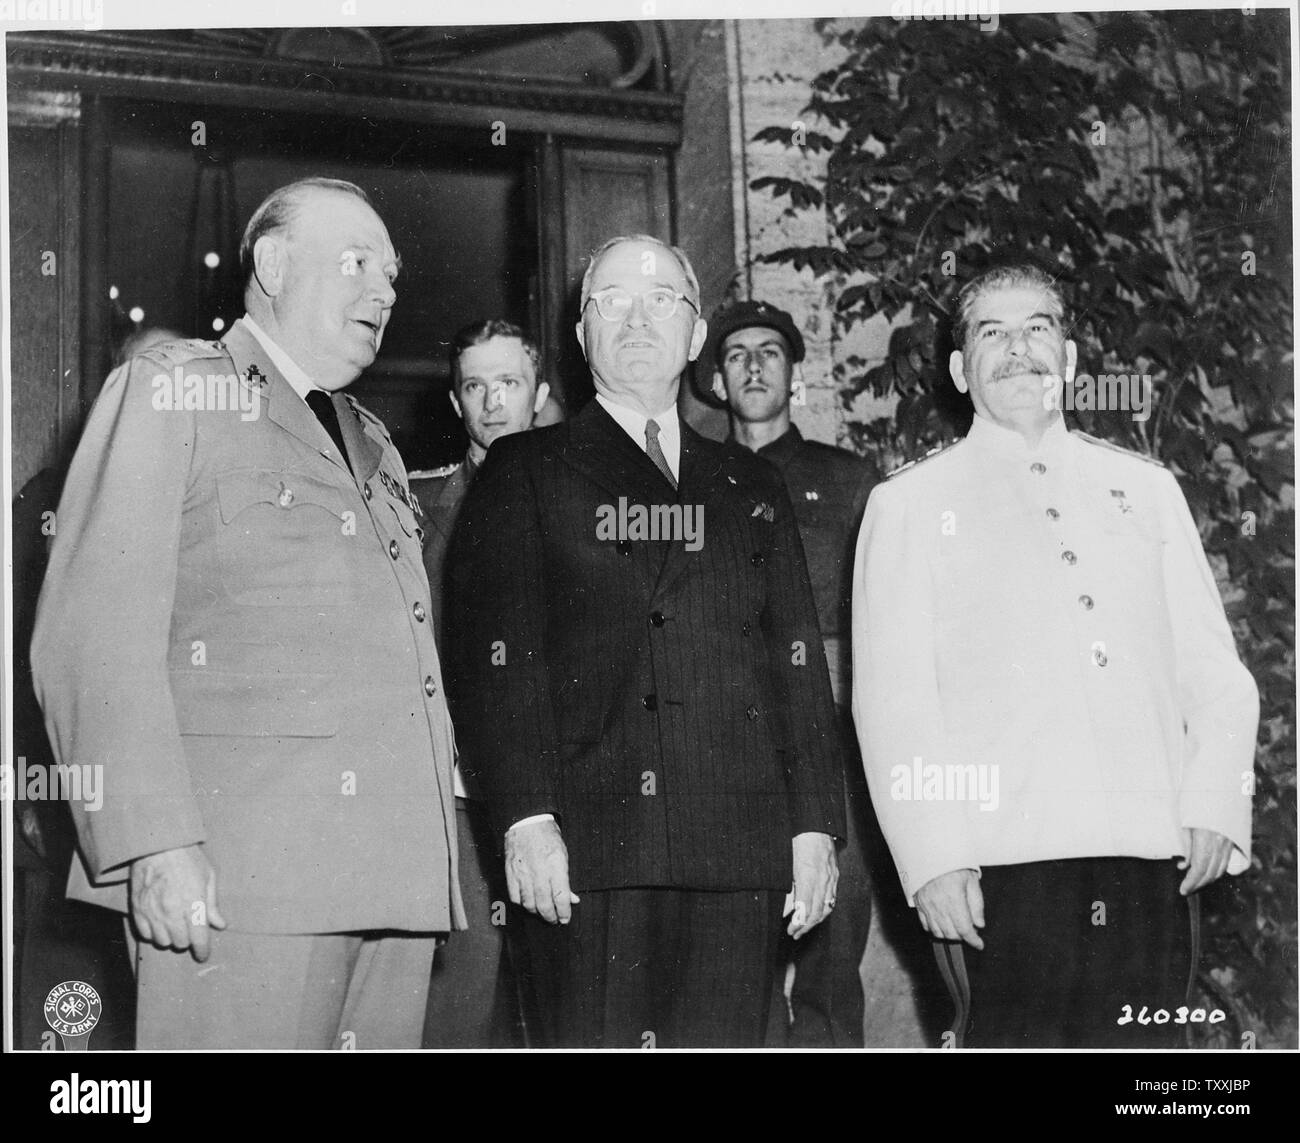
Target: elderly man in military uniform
(755,350)
(1057,731)
(495,390)
(234,626)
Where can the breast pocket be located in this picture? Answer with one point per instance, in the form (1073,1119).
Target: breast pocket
(285,539)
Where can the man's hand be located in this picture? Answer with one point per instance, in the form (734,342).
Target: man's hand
(951,907)
(174,900)
(815,878)
(537,871)
(1206,860)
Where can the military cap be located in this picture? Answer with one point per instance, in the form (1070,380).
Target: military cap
(744,315)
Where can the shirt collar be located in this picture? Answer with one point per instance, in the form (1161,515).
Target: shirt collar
(784,446)
(289,369)
(633,422)
(1010,444)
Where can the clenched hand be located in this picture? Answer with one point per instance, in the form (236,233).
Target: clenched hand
(815,878)
(1206,860)
(537,871)
(951,907)
(174,900)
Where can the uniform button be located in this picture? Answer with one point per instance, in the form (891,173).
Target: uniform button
(1099,657)
(745,628)
(419,612)
(757,559)
(366,490)
(1086,602)
(1070,558)
(393,549)
(650,702)
(657,618)
(1053,514)
(430,687)
(1038,468)
(751,713)
(625,547)
(286,497)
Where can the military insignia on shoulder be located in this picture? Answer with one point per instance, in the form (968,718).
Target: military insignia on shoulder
(188,349)
(1100,443)
(433,473)
(920,459)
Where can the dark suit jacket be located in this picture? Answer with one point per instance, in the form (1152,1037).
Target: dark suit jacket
(671,707)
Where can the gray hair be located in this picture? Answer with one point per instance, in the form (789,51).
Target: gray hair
(1020,272)
(692,282)
(279,209)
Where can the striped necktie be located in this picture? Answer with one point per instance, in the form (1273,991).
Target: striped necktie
(655,453)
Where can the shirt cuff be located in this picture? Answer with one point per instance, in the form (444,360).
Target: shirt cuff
(530,820)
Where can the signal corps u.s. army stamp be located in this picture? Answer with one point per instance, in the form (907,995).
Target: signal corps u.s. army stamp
(73,1009)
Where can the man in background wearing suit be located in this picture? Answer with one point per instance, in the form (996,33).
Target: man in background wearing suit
(234,626)
(495,390)
(755,350)
(640,680)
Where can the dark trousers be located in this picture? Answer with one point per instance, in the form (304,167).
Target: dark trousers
(826,999)
(661,967)
(473,1002)
(1072,948)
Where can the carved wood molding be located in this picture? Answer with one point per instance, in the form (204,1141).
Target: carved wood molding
(222,69)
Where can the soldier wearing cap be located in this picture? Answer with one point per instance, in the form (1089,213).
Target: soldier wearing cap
(495,391)
(1057,731)
(755,350)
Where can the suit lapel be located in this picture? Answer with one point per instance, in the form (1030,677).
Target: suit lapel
(364,450)
(283,406)
(606,455)
(704,473)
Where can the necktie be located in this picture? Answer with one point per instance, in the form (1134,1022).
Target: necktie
(320,403)
(655,453)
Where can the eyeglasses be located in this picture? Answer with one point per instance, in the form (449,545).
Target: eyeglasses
(660,303)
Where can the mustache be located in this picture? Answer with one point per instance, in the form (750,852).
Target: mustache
(1028,365)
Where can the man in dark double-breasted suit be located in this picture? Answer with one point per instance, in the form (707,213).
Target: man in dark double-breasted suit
(641,687)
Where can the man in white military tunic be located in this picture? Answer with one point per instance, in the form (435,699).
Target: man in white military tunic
(234,625)
(1057,732)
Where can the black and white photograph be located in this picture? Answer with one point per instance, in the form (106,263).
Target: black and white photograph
(655,527)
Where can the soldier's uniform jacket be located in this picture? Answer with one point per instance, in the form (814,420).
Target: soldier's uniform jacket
(236,630)
(441,492)
(1050,617)
(828,487)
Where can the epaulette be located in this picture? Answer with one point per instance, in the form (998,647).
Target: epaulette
(1100,443)
(434,473)
(189,349)
(920,459)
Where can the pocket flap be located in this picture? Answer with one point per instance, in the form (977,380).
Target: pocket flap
(231,704)
(242,488)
